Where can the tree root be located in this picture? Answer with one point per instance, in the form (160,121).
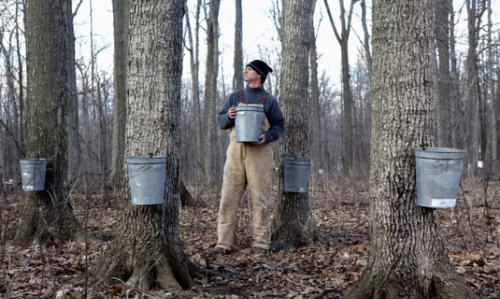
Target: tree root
(445,284)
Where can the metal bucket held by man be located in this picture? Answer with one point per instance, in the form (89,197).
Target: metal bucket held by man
(33,172)
(147,176)
(248,123)
(438,176)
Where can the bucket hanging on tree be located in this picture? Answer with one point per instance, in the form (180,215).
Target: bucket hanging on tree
(297,172)
(147,176)
(438,172)
(33,172)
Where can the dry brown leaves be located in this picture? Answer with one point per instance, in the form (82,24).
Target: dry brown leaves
(322,271)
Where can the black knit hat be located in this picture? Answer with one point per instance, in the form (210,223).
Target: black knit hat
(262,68)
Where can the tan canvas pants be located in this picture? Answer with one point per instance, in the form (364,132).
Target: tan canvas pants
(252,165)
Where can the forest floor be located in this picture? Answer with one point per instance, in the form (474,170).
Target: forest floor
(341,213)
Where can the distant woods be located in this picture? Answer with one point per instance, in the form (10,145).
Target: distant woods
(465,78)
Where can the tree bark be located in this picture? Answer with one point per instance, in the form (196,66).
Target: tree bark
(494,144)
(14,152)
(407,256)
(238,48)
(473,122)
(316,111)
(22,126)
(187,199)
(293,224)
(366,43)
(147,251)
(455,83)
(47,215)
(195,81)
(212,67)
(443,99)
(75,150)
(120,25)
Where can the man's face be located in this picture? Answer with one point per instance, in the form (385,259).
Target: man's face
(250,75)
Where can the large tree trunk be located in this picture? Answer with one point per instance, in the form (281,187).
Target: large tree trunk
(212,67)
(120,25)
(47,211)
(407,256)
(238,48)
(147,251)
(293,224)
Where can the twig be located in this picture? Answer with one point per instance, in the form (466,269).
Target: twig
(327,291)
(18,274)
(471,231)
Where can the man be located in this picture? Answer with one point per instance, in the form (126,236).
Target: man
(248,163)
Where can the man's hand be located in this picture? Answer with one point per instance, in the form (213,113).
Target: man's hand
(232,113)
(262,139)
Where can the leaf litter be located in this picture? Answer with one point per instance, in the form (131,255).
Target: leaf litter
(472,230)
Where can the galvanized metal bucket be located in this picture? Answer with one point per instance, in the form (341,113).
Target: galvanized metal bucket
(248,123)
(438,176)
(33,172)
(147,176)
(297,172)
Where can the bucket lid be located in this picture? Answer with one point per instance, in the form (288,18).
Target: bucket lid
(250,108)
(439,152)
(32,160)
(146,159)
(298,160)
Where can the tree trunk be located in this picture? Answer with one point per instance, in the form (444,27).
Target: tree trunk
(238,48)
(494,137)
(343,40)
(316,111)
(75,150)
(407,256)
(293,224)
(472,138)
(443,99)
(147,251)
(13,123)
(212,67)
(22,129)
(455,79)
(366,40)
(195,81)
(187,199)
(47,211)
(120,25)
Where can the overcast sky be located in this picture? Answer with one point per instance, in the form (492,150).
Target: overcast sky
(258,32)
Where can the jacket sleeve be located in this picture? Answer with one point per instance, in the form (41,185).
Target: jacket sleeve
(223,117)
(276,121)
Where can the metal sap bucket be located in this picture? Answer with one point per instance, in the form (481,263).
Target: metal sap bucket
(33,173)
(297,171)
(438,176)
(248,123)
(147,176)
